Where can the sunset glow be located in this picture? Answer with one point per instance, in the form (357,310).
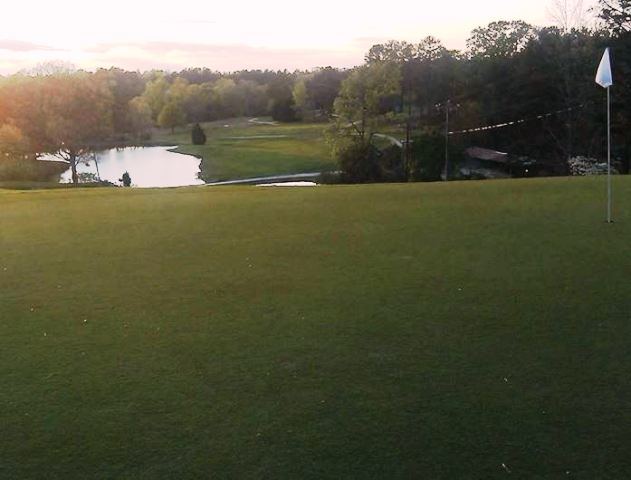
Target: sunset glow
(235,35)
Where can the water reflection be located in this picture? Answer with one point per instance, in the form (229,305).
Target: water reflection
(147,167)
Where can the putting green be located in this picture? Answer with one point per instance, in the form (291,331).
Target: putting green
(384,331)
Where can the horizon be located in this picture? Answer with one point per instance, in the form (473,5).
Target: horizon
(220,38)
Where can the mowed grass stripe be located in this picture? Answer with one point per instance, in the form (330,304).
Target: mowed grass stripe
(233,150)
(384,331)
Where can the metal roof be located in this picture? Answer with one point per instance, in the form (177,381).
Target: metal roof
(486,154)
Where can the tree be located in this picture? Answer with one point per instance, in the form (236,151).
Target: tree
(13,143)
(301,98)
(155,94)
(430,49)
(568,14)
(616,14)
(430,78)
(124,87)
(198,76)
(428,157)
(50,68)
(559,67)
(18,162)
(323,87)
(139,117)
(198,103)
(358,160)
(198,136)
(171,116)
(228,100)
(66,115)
(281,98)
(79,118)
(501,39)
(362,95)
(254,97)
(617,17)
(178,91)
(359,108)
(391,52)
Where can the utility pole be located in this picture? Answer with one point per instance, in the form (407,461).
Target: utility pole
(407,94)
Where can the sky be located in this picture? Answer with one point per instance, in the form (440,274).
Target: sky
(227,36)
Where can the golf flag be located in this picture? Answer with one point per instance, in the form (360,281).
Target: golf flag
(605,80)
(603,76)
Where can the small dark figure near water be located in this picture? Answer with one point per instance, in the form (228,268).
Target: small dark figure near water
(126,180)
(197,135)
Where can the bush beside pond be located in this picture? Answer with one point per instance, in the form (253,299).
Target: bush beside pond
(12,169)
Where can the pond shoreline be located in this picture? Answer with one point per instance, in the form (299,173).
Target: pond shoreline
(148,166)
(176,150)
(109,180)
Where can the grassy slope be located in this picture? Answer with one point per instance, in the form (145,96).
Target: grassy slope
(301,150)
(337,332)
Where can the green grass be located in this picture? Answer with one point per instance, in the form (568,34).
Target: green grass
(32,185)
(385,331)
(231,153)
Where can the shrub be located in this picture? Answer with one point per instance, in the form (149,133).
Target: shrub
(31,170)
(428,157)
(283,110)
(87,177)
(359,162)
(198,135)
(392,168)
(126,180)
(330,178)
(581,166)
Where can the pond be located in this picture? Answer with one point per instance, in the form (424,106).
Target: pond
(147,167)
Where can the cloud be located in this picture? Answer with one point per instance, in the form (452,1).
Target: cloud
(195,21)
(370,41)
(20,46)
(176,55)
(161,48)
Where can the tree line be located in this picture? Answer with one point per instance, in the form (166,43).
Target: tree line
(518,89)
(57,110)
(525,90)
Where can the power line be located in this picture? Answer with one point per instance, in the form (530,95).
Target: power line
(514,122)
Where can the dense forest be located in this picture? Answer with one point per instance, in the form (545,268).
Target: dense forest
(516,88)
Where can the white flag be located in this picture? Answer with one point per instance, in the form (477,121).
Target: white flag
(603,76)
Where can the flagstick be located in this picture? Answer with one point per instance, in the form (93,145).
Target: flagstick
(604,78)
(609,202)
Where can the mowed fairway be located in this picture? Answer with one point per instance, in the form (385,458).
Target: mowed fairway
(238,148)
(387,331)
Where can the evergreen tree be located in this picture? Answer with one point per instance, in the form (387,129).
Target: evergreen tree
(126,180)
(198,135)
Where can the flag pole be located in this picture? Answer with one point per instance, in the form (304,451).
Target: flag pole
(604,78)
(609,199)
